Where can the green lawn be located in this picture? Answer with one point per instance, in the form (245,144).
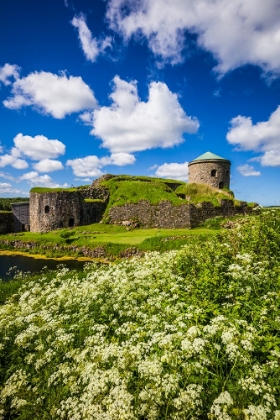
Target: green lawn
(99,234)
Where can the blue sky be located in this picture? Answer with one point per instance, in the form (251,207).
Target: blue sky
(143,87)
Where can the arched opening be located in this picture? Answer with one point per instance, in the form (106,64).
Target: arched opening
(71,222)
(221,185)
(47,209)
(227,173)
(213,172)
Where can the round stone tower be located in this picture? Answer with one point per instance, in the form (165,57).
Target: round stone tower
(210,169)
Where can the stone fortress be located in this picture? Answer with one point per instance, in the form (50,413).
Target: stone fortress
(210,169)
(57,209)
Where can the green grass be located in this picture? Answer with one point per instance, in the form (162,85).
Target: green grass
(93,200)
(42,190)
(131,191)
(142,178)
(199,193)
(114,239)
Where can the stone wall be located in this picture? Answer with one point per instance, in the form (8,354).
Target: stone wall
(166,215)
(163,215)
(6,222)
(51,211)
(57,210)
(200,172)
(92,212)
(204,211)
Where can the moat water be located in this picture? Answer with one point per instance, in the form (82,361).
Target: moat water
(9,265)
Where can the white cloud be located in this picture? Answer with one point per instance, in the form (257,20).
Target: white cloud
(271,158)
(7,176)
(236,32)
(248,170)
(85,167)
(8,71)
(174,171)
(261,137)
(34,178)
(48,165)
(91,47)
(129,125)
(86,118)
(5,185)
(51,94)
(13,161)
(90,166)
(7,188)
(39,147)
(121,159)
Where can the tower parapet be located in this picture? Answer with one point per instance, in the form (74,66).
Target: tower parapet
(210,169)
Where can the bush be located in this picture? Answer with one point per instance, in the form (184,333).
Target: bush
(189,334)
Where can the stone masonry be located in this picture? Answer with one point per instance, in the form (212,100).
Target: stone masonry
(210,171)
(56,210)
(166,215)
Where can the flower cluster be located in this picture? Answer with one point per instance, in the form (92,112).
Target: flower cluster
(188,334)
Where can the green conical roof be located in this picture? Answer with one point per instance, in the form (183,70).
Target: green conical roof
(209,156)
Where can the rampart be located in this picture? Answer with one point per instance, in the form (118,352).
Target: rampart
(166,215)
(56,210)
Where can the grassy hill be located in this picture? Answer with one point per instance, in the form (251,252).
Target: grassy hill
(132,189)
(129,189)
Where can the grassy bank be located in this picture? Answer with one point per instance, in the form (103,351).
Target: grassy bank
(112,239)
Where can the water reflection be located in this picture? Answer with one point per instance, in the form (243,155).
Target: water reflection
(11,263)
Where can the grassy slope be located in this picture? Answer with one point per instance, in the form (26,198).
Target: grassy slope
(114,239)
(132,191)
(126,189)
(199,193)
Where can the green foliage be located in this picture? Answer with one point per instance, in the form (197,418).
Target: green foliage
(112,238)
(199,193)
(189,334)
(93,200)
(6,203)
(132,191)
(66,235)
(42,190)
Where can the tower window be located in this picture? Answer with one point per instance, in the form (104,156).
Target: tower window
(47,209)
(71,222)
(213,172)
(221,185)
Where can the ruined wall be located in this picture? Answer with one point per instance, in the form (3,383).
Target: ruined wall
(54,210)
(163,215)
(201,212)
(57,210)
(92,212)
(166,215)
(200,172)
(6,222)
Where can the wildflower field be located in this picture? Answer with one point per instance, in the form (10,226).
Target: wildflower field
(188,334)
